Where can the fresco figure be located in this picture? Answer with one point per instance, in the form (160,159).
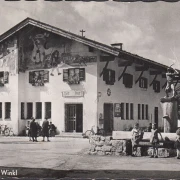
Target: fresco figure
(55,61)
(38,53)
(170,85)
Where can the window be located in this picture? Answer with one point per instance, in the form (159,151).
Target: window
(38,78)
(156,86)
(47,110)
(127,110)
(122,110)
(4,78)
(22,111)
(7,110)
(0,110)
(143,83)
(142,111)
(29,110)
(91,49)
(109,76)
(128,80)
(147,113)
(74,75)
(131,111)
(139,111)
(38,110)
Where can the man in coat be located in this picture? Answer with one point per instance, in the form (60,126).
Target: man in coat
(45,129)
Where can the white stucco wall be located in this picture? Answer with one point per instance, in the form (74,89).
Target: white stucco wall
(135,95)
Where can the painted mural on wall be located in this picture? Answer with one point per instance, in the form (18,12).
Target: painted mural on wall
(8,55)
(40,49)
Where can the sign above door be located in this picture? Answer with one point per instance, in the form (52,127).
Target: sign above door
(73,94)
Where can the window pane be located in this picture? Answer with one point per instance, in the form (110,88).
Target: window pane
(147,113)
(29,110)
(127,110)
(142,111)
(7,110)
(1,110)
(47,110)
(38,110)
(122,110)
(139,111)
(131,111)
(22,111)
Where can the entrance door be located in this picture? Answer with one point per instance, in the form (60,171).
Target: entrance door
(156,116)
(108,117)
(73,117)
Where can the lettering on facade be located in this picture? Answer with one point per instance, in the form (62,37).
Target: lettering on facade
(73,93)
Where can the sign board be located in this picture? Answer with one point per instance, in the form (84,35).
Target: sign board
(117,110)
(73,93)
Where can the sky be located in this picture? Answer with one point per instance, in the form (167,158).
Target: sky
(150,30)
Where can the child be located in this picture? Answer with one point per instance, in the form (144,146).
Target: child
(136,137)
(177,143)
(155,140)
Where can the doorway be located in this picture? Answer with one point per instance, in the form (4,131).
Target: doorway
(156,116)
(73,117)
(108,118)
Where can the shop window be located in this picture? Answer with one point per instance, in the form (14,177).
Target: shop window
(7,110)
(139,111)
(38,110)
(38,78)
(22,111)
(4,78)
(122,110)
(74,75)
(47,110)
(156,86)
(143,83)
(128,80)
(1,110)
(131,111)
(109,76)
(147,112)
(127,110)
(29,110)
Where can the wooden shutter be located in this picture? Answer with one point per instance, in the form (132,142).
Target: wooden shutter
(6,77)
(105,74)
(113,76)
(82,74)
(65,74)
(145,83)
(31,77)
(46,76)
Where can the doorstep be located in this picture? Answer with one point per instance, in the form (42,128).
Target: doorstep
(70,134)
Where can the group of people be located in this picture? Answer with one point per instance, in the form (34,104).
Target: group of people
(34,128)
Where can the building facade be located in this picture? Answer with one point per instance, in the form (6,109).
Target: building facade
(75,82)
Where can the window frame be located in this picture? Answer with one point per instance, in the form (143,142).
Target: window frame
(38,110)
(7,116)
(28,115)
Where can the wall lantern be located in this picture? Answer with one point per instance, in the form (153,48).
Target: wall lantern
(99,94)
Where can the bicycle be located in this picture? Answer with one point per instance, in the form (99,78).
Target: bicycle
(91,132)
(6,131)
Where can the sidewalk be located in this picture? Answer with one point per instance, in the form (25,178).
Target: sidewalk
(69,157)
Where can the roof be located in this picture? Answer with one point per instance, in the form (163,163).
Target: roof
(103,47)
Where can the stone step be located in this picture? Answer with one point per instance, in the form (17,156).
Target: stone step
(69,134)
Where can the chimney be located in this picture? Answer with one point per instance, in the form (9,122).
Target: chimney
(117,45)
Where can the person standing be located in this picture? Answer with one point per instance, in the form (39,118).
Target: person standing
(154,140)
(136,137)
(33,130)
(177,143)
(45,129)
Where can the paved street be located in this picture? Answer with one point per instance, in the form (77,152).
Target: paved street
(68,157)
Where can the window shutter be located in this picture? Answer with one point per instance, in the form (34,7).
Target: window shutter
(145,83)
(6,77)
(113,76)
(82,74)
(65,75)
(46,76)
(105,74)
(31,77)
